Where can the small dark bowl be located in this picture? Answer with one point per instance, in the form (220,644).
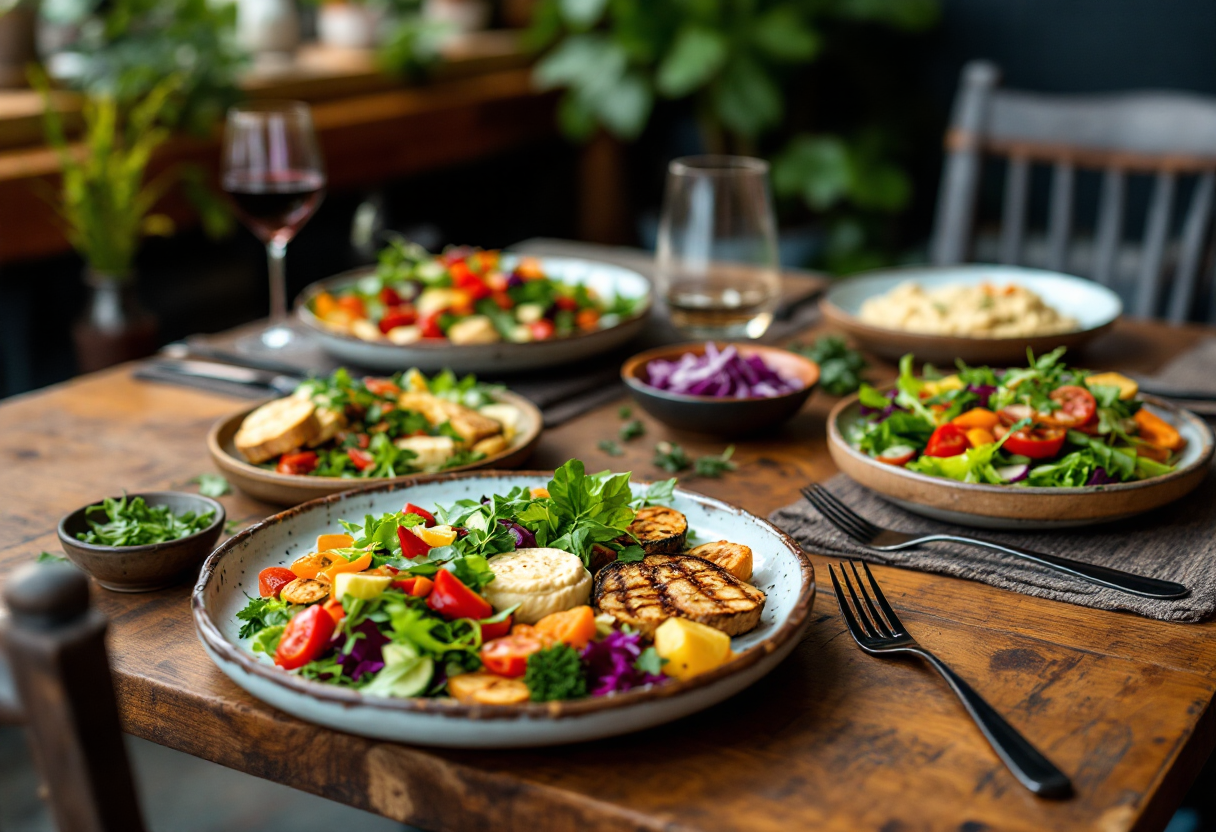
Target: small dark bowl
(721,417)
(144,568)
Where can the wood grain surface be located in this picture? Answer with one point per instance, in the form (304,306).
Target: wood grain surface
(832,740)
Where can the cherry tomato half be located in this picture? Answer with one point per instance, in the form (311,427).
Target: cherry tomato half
(297,464)
(947,440)
(428,518)
(272,579)
(361,458)
(1039,443)
(396,316)
(1077,406)
(897,455)
(508,656)
(353,304)
(389,296)
(381,386)
(489,632)
(542,330)
(452,599)
(305,638)
(430,325)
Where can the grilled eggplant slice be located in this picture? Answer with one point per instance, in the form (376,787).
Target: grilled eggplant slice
(304,591)
(646,593)
(735,558)
(659,529)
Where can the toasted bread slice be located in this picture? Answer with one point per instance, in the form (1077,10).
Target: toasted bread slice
(658,529)
(332,420)
(646,593)
(735,558)
(276,428)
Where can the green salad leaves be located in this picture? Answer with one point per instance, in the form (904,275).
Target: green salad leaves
(132,522)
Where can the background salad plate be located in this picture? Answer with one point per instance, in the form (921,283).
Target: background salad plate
(502,357)
(782,571)
(1018,507)
(290,489)
(1094,306)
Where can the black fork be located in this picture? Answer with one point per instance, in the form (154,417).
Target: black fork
(878,631)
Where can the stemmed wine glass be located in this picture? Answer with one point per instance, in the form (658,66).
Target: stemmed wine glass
(273,173)
(716,261)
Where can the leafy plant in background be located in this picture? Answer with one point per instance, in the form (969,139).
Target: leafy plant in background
(736,60)
(126,48)
(105,202)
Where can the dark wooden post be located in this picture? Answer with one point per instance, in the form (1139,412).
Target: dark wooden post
(56,647)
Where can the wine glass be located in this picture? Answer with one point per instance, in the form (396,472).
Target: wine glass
(273,173)
(716,263)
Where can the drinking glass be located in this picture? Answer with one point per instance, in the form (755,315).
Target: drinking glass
(716,264)
(273,173)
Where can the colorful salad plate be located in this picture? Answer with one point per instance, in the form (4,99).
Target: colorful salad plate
(622,295)
(984,505)
(1095,308)
(230,577)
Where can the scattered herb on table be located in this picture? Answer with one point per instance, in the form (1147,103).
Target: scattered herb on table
(232,527)
(132,522)
(625,411)
(610,447)
(554,674)
(715,466)
(671,457)
(840,368)
(47,557)
(632,430)
(212,485)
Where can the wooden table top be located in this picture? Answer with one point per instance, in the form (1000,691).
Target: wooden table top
(833,739)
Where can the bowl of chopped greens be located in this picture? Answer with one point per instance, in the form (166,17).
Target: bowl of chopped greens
(141,542)
(1041,446)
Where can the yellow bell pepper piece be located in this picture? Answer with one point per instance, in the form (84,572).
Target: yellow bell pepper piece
(690,648)
(1128,388)
(943,385)
(980,436)
(329,542)
(437,535)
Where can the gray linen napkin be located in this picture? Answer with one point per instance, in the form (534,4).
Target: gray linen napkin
(1175,543)
(1194,370)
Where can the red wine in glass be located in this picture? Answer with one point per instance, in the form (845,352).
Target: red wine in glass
(275,204)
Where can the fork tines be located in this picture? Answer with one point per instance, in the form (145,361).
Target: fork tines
(871,624)
(840,515)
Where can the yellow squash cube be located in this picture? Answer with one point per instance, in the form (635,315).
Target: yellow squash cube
(690,648)
(359,585)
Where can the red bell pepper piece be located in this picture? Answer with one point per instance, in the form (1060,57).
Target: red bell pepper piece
(297,464)
(452,599)
(489,632)
(361,458)
(427,517)
(412,545)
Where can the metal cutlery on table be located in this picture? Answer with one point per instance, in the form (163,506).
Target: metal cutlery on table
(881,634)
(862,531)
(187,371)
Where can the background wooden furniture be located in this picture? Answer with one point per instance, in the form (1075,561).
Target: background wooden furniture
(1167,135)
(832,740)
(56,646)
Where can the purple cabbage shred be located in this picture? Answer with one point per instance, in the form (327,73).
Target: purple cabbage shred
(611,664)
(367,653)
(523,538)
(1100,477)
(720,374)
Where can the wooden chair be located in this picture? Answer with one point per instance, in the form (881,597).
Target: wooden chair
(1163,134)
(55,644)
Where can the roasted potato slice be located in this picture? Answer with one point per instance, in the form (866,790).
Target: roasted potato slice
(304,591)
(276,428)
(471,425)
(735,558)
(487,689)
(659,529)
(331,420)
(491,445)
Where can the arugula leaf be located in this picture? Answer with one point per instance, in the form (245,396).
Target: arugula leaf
(261,613)
(871,398)
(973,465)
(212,485)
(670,457)
(580,511)
(47,557)
(659,493)
(840,368)
(631,430)
(267,639)
(899,428)
(611,448)
(631,554)
(715,466)
(132,522)
(555,674)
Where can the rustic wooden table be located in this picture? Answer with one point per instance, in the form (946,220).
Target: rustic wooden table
(833,739)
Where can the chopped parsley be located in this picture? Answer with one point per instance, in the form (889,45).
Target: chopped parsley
(715,466)
(671,457)
(132,522)
(840,368)
(631,430)
(554,674)
(212,485)
(610,447)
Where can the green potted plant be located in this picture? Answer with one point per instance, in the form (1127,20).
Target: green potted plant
(741,67)
(106,203)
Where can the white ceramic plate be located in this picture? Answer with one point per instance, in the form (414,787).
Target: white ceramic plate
(231,573)
(606,279)
(1093,305)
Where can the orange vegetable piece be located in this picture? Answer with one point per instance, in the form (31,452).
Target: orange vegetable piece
(529,268)
(324,304)
(980,417)
(311,565)
(334,607)
(1156,431)
(980,436)
(357,565)
(422,586)
(1153,452)
(574,627)
(329,542)
(539,493)
(587,318)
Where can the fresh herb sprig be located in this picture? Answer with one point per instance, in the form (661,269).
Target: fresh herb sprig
(671,457)
(132,522)
(714,466)
(840,368)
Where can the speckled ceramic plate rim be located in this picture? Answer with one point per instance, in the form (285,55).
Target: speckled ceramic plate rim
(214,640)
(1198,424)
(306,315)
(318,483)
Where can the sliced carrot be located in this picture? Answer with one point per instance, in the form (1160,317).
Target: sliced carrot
(334,607)
(422,587)
(980,417)
(574,627)
(980,436)
(329,542)
(1157,431)
(357,565)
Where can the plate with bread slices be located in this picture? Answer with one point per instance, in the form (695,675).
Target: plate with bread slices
(340,432)
(499,609)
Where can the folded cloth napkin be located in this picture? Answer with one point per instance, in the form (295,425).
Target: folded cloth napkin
(1174,543)
(1193,370)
